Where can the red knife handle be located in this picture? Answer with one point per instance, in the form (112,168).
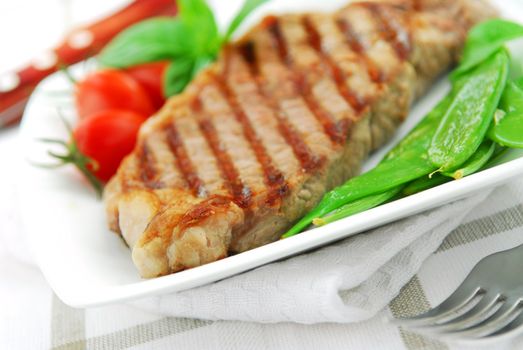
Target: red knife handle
(80,44)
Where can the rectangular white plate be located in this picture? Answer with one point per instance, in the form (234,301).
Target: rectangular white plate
(87,265)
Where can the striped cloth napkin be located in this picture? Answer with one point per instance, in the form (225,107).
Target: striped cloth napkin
(33,317)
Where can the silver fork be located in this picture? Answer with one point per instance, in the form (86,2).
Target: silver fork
(489,303)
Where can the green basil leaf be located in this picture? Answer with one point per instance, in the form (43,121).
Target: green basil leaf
(180,73)
(177,75)
(201,63)
(246,9)
(484,40)
(200,22)
(150,40)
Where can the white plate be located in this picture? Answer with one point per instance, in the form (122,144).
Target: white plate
(87,265)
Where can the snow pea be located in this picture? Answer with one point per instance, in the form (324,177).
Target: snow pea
(476,162)
(484,40)
(507,129)
(358,206)
(468,118)
(486,152)
(425,183)
(418,136)
(501,155)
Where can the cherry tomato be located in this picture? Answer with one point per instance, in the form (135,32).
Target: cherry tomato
(107,137)
(111,89)
(150,76)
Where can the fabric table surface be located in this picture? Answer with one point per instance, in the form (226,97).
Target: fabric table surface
(336,297)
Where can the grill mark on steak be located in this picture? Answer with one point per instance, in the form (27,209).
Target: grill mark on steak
(352,64)
(147,166)
(241,194)
(303,87)
(309,162)
(183,161)
(366,27)
(202,211)
(316,41)
(356,45)
(259,114)
(390,30)
(274,179)
(247,52)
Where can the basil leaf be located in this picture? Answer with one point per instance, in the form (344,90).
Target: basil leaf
(201,24)
(484,40)
(151,40)
(191,41)
(246,9)
(177,75)
(201,63)
(180,73)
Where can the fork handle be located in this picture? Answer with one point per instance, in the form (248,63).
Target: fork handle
(81,43)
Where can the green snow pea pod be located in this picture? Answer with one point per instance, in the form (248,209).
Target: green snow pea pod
(480,159)
(507,129)
(358,206)
(476,162)
(484,40)
(501,155)
(468,118)
(425,183)
(418,135)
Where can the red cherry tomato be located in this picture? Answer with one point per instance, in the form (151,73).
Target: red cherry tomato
(107,137)
(111,89)
(150,77)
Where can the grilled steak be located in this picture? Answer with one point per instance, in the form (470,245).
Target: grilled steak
(286,114)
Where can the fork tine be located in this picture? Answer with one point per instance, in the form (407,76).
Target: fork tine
(514,327)
(459,302)
(486,307)
(510,310)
